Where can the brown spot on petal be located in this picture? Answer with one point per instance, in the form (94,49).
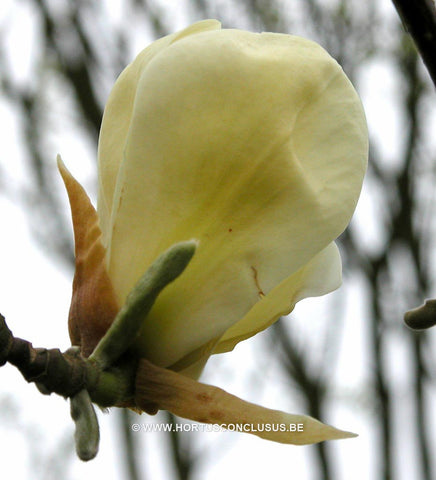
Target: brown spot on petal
(93,303)
(203,397)
(217,415)
(256,281)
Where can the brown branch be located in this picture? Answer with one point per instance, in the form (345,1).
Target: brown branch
(67,373)
(419,19)
(53,372)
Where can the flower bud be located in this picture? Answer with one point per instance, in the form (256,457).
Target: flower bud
(256,146)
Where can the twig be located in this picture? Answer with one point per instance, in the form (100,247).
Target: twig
(53,371)
(419,19)
(107,376)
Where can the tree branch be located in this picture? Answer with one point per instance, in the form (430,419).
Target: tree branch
(54,372)
(419,19)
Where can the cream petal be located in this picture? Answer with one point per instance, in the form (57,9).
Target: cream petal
(117,117)
(254,144)
(207,404)
(319,276)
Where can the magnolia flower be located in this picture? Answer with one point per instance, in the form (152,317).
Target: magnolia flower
(254,145)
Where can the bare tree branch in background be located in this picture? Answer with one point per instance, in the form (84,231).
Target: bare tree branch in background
(181,450)
(406,235)
(311,384)
(130,447)
(419,19)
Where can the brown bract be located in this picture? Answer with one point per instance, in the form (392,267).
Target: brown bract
(160,388)
(93,303)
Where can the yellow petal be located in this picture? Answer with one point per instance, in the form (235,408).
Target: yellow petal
(254,144)
(319,276)
(118,113)
(167,390)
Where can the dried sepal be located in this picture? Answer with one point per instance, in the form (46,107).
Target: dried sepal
(93,303)
(164,389)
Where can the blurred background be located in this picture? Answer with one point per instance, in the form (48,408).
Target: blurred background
(346,358)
